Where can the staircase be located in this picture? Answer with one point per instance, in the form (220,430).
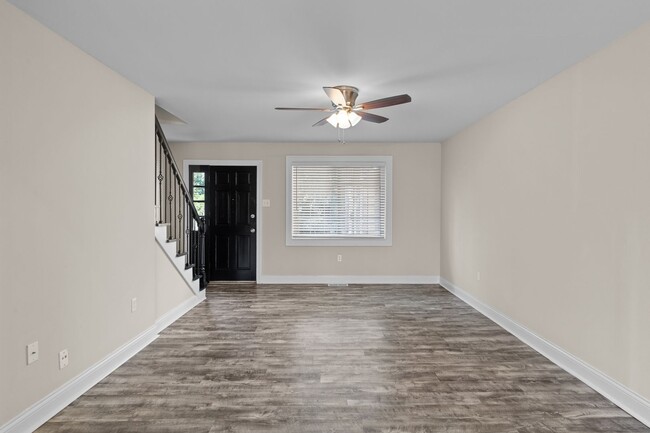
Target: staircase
(170,247)
(180,230)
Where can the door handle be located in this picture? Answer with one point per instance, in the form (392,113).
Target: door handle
(252,230)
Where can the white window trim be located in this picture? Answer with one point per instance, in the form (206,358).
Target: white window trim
(357,242)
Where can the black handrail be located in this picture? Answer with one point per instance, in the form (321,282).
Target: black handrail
(174,206)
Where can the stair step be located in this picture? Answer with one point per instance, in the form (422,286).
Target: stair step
(161,232)
(189,266)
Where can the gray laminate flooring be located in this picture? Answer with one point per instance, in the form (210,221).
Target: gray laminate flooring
(358,359)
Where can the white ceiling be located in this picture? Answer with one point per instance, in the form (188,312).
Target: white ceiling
(222,66)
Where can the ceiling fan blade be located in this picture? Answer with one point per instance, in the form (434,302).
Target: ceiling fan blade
(371,117)
(385,102)
(303,109)
(321,122)
(335,95)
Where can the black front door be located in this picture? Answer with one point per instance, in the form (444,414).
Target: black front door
(231,221)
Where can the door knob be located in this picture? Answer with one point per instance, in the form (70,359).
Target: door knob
(252,230)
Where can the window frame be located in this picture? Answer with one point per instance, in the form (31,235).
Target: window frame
(193,185)
(386,161)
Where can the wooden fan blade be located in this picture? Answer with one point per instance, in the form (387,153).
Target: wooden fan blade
(335,95)
(371,117)
(303,109)
(385,102)
(321,122)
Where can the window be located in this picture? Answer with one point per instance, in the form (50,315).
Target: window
(198,191)
(339,200)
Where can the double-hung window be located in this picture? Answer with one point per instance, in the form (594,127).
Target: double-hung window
(342,200)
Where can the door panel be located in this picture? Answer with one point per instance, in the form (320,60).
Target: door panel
(221,255)
(221,212)
(243,253)
(244,211)
(222,178)
(231,203)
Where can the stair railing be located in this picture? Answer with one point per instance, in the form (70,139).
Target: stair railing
(174,207)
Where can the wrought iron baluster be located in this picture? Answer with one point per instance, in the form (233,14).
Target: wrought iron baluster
(202,252)
(179,221)
(187,234)
(184,227)
(155,173)
(161,177)
(176,219)
(169,198)
(190,248)
(172,217)
(181,232)
(176,200)
(192,243)
(181,212)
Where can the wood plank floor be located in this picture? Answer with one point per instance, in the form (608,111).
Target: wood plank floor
(358,359)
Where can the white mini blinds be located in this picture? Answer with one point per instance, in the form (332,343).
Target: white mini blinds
(338,200)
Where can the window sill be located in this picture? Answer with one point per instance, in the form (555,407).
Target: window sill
(349,242)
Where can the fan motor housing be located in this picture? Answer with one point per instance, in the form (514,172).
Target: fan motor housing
(350,94)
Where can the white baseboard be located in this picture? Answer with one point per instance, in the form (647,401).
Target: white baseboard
(50,405)
(348,279)
(176,313)
(41,411)
(619,394)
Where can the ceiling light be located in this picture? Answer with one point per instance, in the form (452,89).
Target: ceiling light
(354,118)
(343,119)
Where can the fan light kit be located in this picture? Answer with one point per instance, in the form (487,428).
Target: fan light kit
(343,119)
(345,110)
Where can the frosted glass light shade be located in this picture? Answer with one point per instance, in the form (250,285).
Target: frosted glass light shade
(343,119)
(354,118)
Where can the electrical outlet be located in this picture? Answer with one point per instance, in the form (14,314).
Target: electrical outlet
(134,304)
(32,352)
(339,258)
(478,276)
(266,202)
(63,359)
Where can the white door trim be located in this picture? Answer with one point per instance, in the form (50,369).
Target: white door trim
(258,201)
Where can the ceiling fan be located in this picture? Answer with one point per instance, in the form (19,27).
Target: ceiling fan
(346,112)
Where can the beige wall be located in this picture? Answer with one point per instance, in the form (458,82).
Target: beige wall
(548,198)
(76,164)
(171,289)
(416,209)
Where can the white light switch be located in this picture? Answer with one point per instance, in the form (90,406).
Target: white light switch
(266,202)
